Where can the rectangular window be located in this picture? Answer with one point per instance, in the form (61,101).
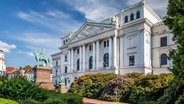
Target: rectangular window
(107,43)
(65,69)
(163,41)
(77,51)
(131,60)
(66,58)
(104,43)
(56,63)
(90,47)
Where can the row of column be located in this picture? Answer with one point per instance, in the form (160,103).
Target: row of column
(96,57)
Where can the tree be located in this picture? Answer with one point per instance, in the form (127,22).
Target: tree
(175,22)
(28,66)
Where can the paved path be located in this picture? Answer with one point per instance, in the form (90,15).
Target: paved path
(94,101)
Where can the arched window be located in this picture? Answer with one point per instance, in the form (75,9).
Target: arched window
(78,65)
(138,14)
(163,59)
(106,60)
(131,16)
(91,62)
(126,19)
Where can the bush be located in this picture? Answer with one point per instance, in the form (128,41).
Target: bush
(174,93)
(58,98)
(55,98)
(116,88)
(19,88)
(90,85)
(6,101)
(25,92)
(147,89)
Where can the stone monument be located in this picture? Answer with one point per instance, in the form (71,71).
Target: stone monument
(42,72)
(62,88)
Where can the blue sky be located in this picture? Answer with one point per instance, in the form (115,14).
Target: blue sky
(29,25)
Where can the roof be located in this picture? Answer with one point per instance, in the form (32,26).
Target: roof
(1,58)
(10,69)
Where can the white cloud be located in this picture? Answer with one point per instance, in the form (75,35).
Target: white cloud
(101,9)
(52,19)
(95,9)
(37,40)
(6,47)
(30,54)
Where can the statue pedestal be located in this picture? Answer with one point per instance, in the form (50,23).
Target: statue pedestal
(62,88)
(42,76)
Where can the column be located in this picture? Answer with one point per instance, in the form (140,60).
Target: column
(110,52)
(69,58)
(71,70)
(80,58)
(94,55)
(97,55)
(83,47)
(115,49)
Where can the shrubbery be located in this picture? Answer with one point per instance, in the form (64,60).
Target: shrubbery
(132,88)
(90,85)
(174,94)
(6,101)
(116,88)
(25,92)
(19,88)
(147,89)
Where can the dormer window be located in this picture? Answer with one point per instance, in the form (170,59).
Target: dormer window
(138,14)
(131,16)
(126,19)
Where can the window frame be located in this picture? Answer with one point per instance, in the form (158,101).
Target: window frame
(131,16)
(91,62)
(66,69)
(126,19)
(163,59)
(163,41)
(131,60)
(106,60)
(138,14)
(78,65)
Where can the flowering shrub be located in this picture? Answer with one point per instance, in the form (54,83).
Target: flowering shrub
(90,85)
(116,88)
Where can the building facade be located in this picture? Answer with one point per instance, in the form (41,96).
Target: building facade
(2,63)
(133,40)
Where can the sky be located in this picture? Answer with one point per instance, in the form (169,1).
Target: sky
(30,25)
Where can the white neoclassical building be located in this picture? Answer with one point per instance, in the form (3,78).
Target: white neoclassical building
(133,40)
(2,63)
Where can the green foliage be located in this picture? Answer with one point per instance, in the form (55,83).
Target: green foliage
(174,93)
(25,92)
(6,101)
(153,82)
(28,66)
(116,88)
(19,88)
(175,21)
(148,88)
(90,85)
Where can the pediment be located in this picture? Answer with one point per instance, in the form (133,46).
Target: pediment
(89,29)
